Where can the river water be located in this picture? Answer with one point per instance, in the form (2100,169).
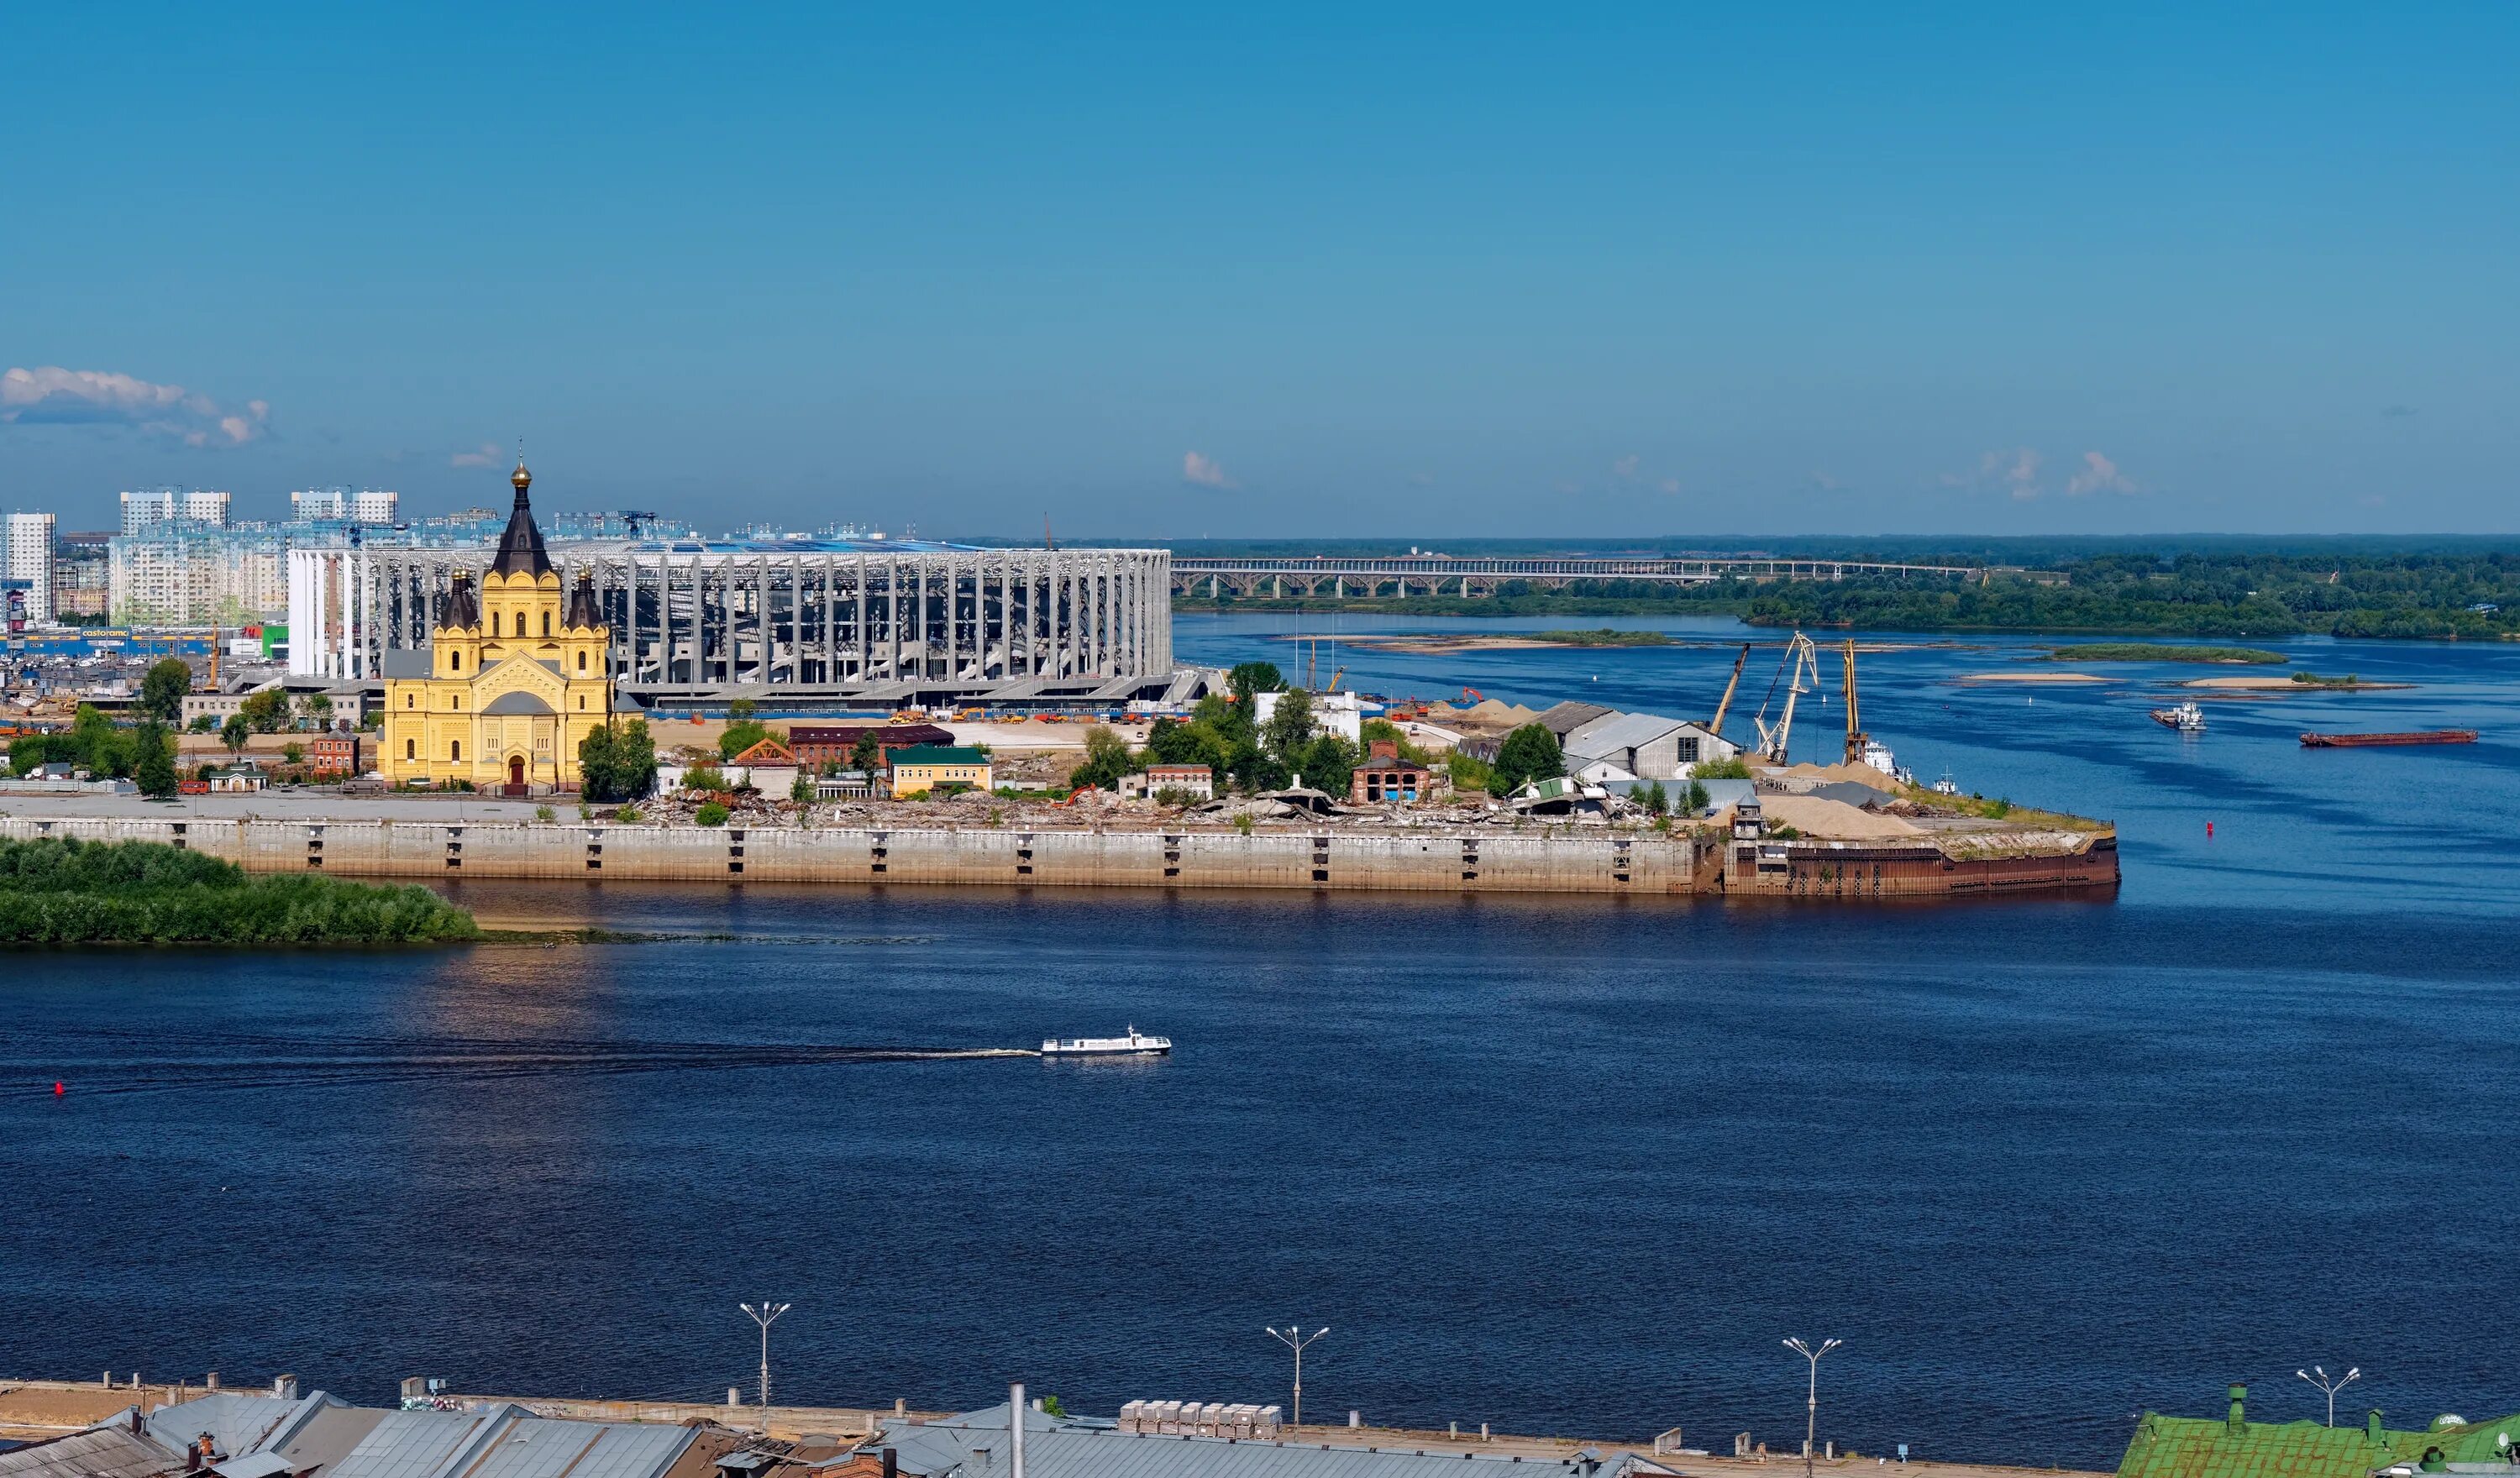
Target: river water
(1558,1164)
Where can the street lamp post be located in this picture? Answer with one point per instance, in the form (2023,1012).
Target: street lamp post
(2330,1385)
(765,1313)
(1811,1398)
(1294,1338)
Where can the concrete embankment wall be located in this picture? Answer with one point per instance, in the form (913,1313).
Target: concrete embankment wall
(1454,861)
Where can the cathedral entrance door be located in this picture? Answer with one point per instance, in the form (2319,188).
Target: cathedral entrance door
(516,775)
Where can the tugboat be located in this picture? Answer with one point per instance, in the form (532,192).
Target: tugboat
(1947,785)
(1136,1044)
(2187,718)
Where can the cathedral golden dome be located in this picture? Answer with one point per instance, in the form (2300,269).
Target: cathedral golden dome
(520,477)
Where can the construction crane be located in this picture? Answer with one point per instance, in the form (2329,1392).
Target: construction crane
(1856,739)
(1717,727)
(1801,660)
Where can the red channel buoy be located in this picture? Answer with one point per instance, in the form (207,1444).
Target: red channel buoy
(58,1088)
(2209,830)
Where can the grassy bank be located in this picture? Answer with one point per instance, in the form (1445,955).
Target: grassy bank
(2145,651)
(1602,635)
(54,892)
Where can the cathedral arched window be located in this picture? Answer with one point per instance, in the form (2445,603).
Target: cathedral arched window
(411,749)
(547,623)
(455,750)
(581,665)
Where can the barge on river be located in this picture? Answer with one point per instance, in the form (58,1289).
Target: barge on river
(2372,740)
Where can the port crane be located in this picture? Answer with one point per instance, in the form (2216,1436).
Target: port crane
(1717,727)
(1857,741)
(1801,660)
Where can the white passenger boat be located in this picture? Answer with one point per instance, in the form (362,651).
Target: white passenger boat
(1136,1044)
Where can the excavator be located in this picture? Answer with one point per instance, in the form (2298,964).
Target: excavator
(1801,660)
(1716,728)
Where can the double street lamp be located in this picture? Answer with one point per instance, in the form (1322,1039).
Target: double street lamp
(1294,1338)
(764,1314)
(1811,1401)
(2330,1385)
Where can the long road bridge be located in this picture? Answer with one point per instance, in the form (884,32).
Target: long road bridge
(1366,577)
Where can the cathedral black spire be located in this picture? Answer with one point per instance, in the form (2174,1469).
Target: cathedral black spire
(520,548)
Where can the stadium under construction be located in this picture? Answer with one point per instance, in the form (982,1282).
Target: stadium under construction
(804,624)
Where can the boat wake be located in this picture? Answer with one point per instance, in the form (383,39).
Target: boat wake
(267,1063)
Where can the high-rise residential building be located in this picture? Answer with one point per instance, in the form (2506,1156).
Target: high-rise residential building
(31,561)
(369,505)
(148,510)
(83,567)
(181,575)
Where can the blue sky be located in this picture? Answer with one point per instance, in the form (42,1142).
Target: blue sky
(1425,273)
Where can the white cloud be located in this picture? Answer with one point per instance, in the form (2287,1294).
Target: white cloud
(2014,471)
(1670,485)
(1421,480)
(486,454)
(1203,471)
(50,395)
(2099,476)
(1625,469)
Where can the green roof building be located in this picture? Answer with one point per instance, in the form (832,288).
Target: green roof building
(2234,1447)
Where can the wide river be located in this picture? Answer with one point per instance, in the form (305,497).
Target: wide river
(1572,1165)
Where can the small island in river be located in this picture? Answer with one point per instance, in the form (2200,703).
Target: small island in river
(56,891)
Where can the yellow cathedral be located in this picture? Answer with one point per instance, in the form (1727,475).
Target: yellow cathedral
(508,683)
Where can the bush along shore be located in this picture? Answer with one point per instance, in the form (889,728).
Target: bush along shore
(60,892)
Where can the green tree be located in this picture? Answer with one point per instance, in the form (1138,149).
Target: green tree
(293,753)
(711,814)
(154,766)
(1698,799)
(1248,678)
(704,778)
(740,736)
(1653,799)
(1469,771)
(866,754)
(634,760)
(319,707)
(162,689)
(1290,728)
(617,762)
(1529,753)
(1327,762)
(740,712)
(204,723)
(1106,759)
(233,733)
(801,788)
(266,712)
(1195,741)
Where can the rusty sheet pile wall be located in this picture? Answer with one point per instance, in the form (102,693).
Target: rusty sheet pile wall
(1466,862)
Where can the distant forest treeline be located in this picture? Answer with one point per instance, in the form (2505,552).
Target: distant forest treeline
(2065,586)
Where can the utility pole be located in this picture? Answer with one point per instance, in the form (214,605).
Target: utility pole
(765,1313)
(1811,1401)
(2330,1385)
(1294,1338)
